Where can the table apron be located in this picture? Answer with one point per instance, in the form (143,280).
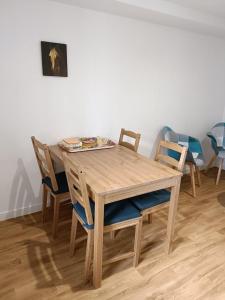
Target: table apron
(135,191)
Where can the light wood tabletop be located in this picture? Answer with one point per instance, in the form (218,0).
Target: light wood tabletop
(116,174)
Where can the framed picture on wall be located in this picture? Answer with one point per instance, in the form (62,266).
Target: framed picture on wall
(54,59)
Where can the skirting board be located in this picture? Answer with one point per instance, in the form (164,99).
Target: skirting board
(5,215)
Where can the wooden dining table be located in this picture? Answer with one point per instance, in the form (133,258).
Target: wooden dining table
(116,174)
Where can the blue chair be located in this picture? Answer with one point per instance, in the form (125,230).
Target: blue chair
(217,136)
(117,215)
(54,185)
(194,158)
(155,201)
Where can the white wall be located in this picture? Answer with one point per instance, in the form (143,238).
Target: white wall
(122,73)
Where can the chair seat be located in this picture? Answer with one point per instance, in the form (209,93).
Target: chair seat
(149,200)
(221,154)
(61,181)
(199,162)
(114,212)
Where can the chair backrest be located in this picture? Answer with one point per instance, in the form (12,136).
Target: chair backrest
(169,135)
(131,134)
(217,134)
(77,186)
(44,161)
(161,155)
(193,145)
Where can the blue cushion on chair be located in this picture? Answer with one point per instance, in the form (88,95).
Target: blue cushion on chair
(81,212)
(61,181)
(173,154)
(149,200)
(114,212)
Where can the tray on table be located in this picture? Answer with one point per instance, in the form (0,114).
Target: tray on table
(96,143)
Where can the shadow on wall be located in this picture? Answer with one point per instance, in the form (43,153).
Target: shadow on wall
(22,199)
(156,143)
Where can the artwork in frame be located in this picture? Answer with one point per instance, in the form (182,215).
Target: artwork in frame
(54,59)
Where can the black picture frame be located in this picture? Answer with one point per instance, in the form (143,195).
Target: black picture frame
(54,59)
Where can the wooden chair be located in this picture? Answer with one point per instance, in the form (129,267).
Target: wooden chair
(117,215)
(163,157)
(194,157)
(155,201)
(54,185)
(194,169)
(133,147)
(131,134)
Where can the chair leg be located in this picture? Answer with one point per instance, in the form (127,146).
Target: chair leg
(55,217)
(137,242)
(51,209)
(219,171)
(44,203)
(198,176)
(73,233)
(89,252)
(192,174)
(149,218)
(211,162)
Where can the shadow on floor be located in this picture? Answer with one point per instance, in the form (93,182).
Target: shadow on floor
(221,199)
(48,258)
(52,266)
(212,173)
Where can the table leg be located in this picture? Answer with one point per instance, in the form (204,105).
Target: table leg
(172,215)
(98,242)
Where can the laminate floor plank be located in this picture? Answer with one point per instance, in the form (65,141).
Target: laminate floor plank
(34,266)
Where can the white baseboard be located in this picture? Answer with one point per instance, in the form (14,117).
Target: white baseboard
(18,212)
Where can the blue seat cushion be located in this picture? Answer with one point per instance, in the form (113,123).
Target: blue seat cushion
(61,181)
(173,154)
(114,212)
(149,200)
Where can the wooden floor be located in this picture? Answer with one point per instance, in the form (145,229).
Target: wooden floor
(33,266)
